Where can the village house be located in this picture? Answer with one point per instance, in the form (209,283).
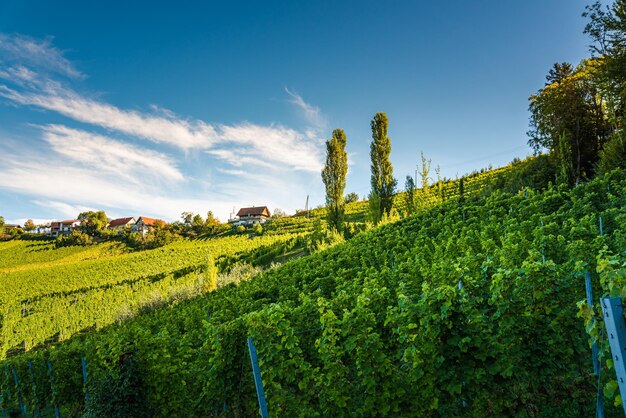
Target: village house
(121,224)
(144,224)
(8,227)
(251,215)
(63,227)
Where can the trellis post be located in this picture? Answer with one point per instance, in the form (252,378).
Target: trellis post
(613,314)
(258,382)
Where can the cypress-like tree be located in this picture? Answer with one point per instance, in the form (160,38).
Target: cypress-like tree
(409,188)
(334,176)
(383,182)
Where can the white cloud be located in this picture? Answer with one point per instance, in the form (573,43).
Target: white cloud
(36,53)
(105,154)
(160,129)
(312,114)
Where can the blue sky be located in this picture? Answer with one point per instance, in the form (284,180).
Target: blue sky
(147,108)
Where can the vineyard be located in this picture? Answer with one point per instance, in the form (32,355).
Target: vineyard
(474,306)
(47,295)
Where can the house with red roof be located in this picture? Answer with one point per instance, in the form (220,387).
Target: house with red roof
(63,227)
(121,224)
(144,224)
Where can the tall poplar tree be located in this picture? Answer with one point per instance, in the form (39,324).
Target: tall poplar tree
(334,176)
(383,182)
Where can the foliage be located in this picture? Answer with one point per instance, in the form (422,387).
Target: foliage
(118,391)
(613,155)
(409,189)
(76,237)
(1,222)
(383,182)
(351,197)
(155,237)
(568,119)
(455,311)
(334,177)
(29,225)
(91,223)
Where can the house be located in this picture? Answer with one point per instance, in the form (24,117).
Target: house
(63,227)
(251,215)
(8,227)
(144,224)
(121,224)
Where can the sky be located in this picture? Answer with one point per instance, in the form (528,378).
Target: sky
(155,108)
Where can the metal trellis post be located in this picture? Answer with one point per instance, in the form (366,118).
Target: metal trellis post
(613,313)
(257,379)
(84,364)
(594,352)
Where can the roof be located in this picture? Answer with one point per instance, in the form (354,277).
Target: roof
(69,221)
(121,221)
(151,221)
(254,211)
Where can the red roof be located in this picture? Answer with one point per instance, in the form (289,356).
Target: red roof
(151,221)
(254,211)
(70,221)
(120,221)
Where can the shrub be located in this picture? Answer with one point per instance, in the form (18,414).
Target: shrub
(75,238)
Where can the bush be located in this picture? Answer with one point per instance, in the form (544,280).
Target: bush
(613,155)
(240,229)
(154,238)
(75,238)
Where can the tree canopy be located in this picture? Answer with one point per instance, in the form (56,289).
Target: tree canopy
(383,182)
(334,177)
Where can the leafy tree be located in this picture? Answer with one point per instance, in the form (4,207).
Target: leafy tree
(29,225)
(409,187)
(278,214)
(187,217)
(613,155)
(1,223)
(352,197)
(570,109)
(92,222)
(425,173)
(334,177)
(383,182)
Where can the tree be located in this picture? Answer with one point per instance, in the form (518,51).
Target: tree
(352,197)
(425,173)
(1,223)
(187,217)
(278,214)
(383,182)
(570,109)
(29,225)
(409,187)
(92,222)
(334,177)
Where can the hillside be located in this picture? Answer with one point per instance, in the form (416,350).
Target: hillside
(467,308)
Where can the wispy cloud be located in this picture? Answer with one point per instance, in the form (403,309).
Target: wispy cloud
(39,54)
(161,129)
(312,114)
(104,154)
